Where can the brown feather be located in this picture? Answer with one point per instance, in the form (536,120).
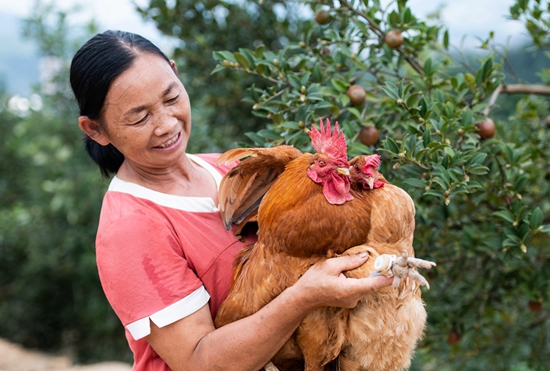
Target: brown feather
(242,189)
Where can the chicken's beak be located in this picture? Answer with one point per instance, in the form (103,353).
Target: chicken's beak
(370,182)
(343,171)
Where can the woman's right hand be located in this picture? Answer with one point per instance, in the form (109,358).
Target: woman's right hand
(324,284)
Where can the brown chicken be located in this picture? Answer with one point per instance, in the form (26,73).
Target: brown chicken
(306,213)
(384,327)
(381,332)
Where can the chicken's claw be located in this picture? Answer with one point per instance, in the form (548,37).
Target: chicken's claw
(401,267)
(270,367)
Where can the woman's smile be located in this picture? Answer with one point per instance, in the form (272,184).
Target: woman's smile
(171,143)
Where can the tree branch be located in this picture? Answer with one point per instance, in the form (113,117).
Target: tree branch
(410,59)
(515,89)
(525,89)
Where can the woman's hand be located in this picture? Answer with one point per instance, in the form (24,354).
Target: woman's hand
(324,284)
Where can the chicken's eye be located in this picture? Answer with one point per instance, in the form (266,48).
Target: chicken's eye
(322,163)
(356,167)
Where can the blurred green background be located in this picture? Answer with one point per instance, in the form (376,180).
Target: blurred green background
(488,307)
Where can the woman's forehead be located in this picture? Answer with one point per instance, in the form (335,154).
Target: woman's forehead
(149,77)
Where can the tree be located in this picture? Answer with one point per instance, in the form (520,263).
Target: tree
(50,295)
(482,197)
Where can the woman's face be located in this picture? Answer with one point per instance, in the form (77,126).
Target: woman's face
(147,114)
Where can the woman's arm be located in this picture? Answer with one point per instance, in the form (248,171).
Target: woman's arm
(193,343)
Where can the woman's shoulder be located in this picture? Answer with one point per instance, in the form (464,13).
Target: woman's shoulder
(212,158)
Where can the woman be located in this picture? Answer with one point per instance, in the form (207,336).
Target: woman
(163,254)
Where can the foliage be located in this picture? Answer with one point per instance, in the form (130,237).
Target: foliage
(50,295)
(481,202)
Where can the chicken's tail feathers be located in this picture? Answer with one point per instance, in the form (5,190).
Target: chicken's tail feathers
(236,154)
(282,154)
(243,187)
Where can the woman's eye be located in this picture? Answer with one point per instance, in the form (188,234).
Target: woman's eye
(172,100)
(142,119)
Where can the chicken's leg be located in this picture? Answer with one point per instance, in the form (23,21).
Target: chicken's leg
(399,268)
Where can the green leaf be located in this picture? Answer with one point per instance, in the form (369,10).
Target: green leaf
(292,125)
(442,183)
(415,182)
(321,105)
(479,170)
(487,66)
(440,170)
(446,39)
(434,193)
(472,184)
(391,91)
(258,140)
(428,70)
(357,148)
(506,215)
(224,55)
(391,145)
(520,182)
(426,138)
(217,69)
(355,112)
(509,152)
(259,52)
(242,60)
(254,93)
(339,85)
(317,74)
(478,157)
(536,218)
(295,81)
(249,56)
(467,118)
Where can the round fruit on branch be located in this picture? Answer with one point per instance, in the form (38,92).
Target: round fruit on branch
(357,95)
(486,128)
(368,135)
(394,39)
(322,17)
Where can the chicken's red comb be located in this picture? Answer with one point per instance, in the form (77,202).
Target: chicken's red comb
(372,160)
(325,141)
(372,163)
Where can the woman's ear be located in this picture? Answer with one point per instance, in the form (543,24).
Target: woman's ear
(173,65)
(93,130)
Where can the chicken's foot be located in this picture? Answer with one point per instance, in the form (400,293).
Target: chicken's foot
(401,267)
(270,367)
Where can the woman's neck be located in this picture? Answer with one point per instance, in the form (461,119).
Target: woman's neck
(187,179)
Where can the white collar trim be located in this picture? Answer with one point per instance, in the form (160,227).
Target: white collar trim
(193,204)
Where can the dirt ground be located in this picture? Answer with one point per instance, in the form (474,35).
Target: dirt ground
(15,358)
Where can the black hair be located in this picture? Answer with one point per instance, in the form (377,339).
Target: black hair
(93,68)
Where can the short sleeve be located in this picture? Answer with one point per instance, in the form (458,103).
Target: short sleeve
(144,273)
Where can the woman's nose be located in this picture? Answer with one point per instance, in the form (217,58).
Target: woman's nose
(165,123)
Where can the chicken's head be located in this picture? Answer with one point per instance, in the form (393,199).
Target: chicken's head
(364,170)
(330,166)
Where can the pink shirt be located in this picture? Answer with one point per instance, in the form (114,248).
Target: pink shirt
(162,257)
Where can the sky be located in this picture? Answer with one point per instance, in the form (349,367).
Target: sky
(110,14)
(464,18)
